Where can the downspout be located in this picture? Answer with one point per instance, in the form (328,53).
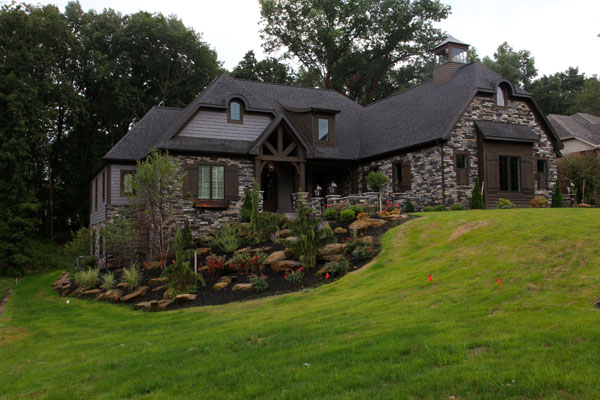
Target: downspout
(443,176)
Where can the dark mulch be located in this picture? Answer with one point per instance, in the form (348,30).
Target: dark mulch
(206,295)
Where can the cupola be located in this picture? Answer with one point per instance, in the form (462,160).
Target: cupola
(450,55)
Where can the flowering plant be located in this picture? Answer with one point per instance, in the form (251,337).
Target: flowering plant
(295,277)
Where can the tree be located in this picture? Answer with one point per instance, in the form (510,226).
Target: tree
(267,70)
(351,45)
(516,66)
(476,202)
(587,100)
(557,197)
(583,170)
(155,199)
(555,93)
(376,180)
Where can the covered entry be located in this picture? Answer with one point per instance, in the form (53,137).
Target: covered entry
(280,164)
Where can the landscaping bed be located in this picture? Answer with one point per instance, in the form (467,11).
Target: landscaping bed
(231,280)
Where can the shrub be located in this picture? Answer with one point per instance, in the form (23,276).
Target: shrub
(337,268)
(120,240)
(87,279)
(267,225)
(396,211)
(428,208)
(408,207)
(356,209)
(347,215)
(383,213)
(441,207)
(311,234)
(476,201)
(215,266)
(295,277)
(363,215)
(180,276)
(505,203)
(259,283)
(362,252)
(538,202)
(245,263)
(227,238)
(246,211)
(80,244)
(457,207)
(330,214)
(188,239)
(557,197)
(89,261)
(108,281)
(376,180)
(132,276)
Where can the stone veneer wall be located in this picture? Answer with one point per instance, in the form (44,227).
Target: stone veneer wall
(464,138)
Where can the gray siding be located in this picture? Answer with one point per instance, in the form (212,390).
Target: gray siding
(98,200)
(214,125)
(115,183)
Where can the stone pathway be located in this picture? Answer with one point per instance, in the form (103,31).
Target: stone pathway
(4,301)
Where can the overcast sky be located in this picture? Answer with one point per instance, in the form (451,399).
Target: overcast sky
(559,33)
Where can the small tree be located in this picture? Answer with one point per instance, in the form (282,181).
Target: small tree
(312,235)
(186,233)
(376,180)
(246,211)
(80,245)
(180,276)
(120,240)
(254,207)
(154,197)
(408,207)
(476,201)
(583,171)
(557,197)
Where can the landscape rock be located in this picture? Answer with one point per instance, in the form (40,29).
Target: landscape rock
(163,304)
(157,281)
(275,256)
(220,285)
(122,285)
(284,265)
(168,294)
(204,238)
(340,231)
(151,265)
(332,248)
(283,233)
(180,298)
(241,287)
(203,268)
(63,281)
(112,295)
(141,291)
(92,291)
(76,292)
(265,249)
(203,251)
(148,305)
(158,288)
(363,224)
(291,239)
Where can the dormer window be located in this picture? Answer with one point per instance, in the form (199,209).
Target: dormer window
(441,57)
(324,129)
(459,55)
(501,96)
(235,113)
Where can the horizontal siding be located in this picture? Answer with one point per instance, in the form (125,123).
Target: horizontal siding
(214,125)
(115,184)
(98,211)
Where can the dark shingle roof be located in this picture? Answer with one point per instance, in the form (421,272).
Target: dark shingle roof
(146,134)
(581,126)
(417,116)
(505,131)
(449,39)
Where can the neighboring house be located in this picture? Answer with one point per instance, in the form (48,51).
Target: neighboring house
(579,132)
(431,140)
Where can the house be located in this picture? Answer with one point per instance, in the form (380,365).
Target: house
(432,140)
(579,132)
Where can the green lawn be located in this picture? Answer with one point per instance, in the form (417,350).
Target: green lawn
(384,332)
(5,284)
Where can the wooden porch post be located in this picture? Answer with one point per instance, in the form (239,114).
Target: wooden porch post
(302,177)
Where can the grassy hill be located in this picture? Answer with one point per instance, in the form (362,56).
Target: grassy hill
(383,332)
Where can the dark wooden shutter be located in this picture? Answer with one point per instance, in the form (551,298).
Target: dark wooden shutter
(493,173)
(526,175)
(190,181)
(232,183)
(406,178)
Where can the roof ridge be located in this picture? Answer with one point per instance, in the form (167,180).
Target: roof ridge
(167,107)
(283,84)
(397,93)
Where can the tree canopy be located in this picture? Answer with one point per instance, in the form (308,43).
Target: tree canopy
(555,93)
(267,70)
(516,66)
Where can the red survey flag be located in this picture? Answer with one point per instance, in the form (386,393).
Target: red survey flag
(326,275)
(430,278)
(498,281)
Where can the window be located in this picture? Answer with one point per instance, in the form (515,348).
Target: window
(542,174)
(441,57)
(401,176)
(323,128)
(323,134)
(501,97)
(127,182)
(211,182)
(235,113)
(462,168)
(510,173)
(459,56)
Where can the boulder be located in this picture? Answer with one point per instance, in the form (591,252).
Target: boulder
(112,295)
(340,231)
(283,233)
(62,282)
(275,256)
(364,224)
(163,304)
(181,298)
(241,287)
(139,292)
(150,265)
(332,248)
(265,249)
(122,285)
(168,294)
(228,278)
(158,288)
(220,285)
(203,268)
(157,281)
(92,291)
(291,239)
(77,291)
(147,305)
(284,265)
(203,251)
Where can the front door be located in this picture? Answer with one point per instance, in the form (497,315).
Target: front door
(268,184)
